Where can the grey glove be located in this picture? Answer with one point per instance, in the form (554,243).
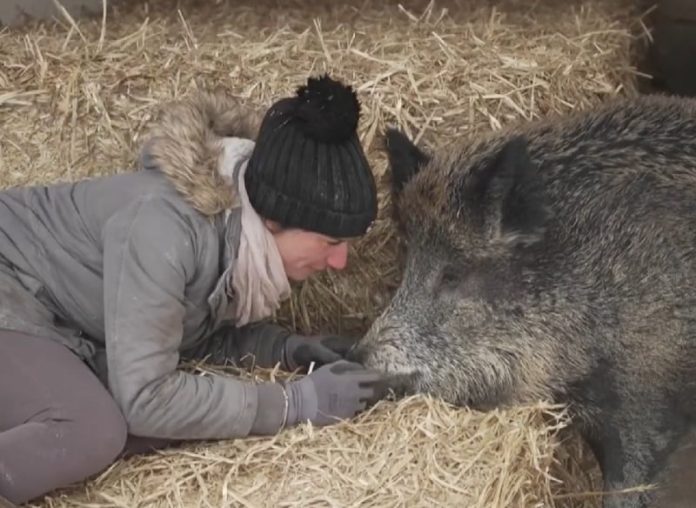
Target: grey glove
(266,344)
(300,351)
(334,392)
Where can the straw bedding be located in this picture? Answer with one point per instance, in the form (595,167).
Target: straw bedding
(76,97)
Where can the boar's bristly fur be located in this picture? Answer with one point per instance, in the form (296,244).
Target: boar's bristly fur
(556,260)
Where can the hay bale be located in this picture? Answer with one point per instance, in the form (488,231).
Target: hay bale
(417,452)
(76,97)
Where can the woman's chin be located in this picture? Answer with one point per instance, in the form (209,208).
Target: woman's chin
(300,274)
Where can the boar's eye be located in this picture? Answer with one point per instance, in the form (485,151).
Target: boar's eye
(451,277)
(462,281)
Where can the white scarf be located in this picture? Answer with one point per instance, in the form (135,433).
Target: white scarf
(258,279)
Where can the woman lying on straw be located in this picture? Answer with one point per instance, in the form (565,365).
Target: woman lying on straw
(106,284)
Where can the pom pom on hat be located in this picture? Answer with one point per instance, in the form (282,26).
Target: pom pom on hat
(328,110)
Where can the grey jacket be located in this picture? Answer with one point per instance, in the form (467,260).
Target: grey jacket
(129,271)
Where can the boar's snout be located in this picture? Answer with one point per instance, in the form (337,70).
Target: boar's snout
(385,348)
(399,383)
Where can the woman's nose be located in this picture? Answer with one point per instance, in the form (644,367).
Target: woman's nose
(338,257)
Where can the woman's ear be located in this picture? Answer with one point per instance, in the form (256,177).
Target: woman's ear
(272,226)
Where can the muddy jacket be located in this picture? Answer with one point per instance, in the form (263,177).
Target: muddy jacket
(129,271)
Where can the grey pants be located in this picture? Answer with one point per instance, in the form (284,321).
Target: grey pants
(58,423)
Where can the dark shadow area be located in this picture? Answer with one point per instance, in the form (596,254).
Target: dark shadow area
(666,55)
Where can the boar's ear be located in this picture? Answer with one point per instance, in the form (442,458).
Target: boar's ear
(405,158)
(511,192)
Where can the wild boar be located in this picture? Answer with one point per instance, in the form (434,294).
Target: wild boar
(555,260)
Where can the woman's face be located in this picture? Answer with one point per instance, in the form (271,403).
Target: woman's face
(305,253)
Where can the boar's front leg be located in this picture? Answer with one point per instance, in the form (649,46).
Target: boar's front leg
(632,445)
(677,484)
(624,464)
(632,428)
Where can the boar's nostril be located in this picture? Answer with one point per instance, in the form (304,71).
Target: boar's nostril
(355,354)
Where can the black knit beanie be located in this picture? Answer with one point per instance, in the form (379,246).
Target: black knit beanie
(308,169)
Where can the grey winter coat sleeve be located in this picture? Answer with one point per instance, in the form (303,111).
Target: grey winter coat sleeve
(149,254)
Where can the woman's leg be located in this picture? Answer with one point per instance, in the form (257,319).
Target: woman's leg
(58,423)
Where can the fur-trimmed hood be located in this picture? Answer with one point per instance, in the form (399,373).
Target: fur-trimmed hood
(185,144)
